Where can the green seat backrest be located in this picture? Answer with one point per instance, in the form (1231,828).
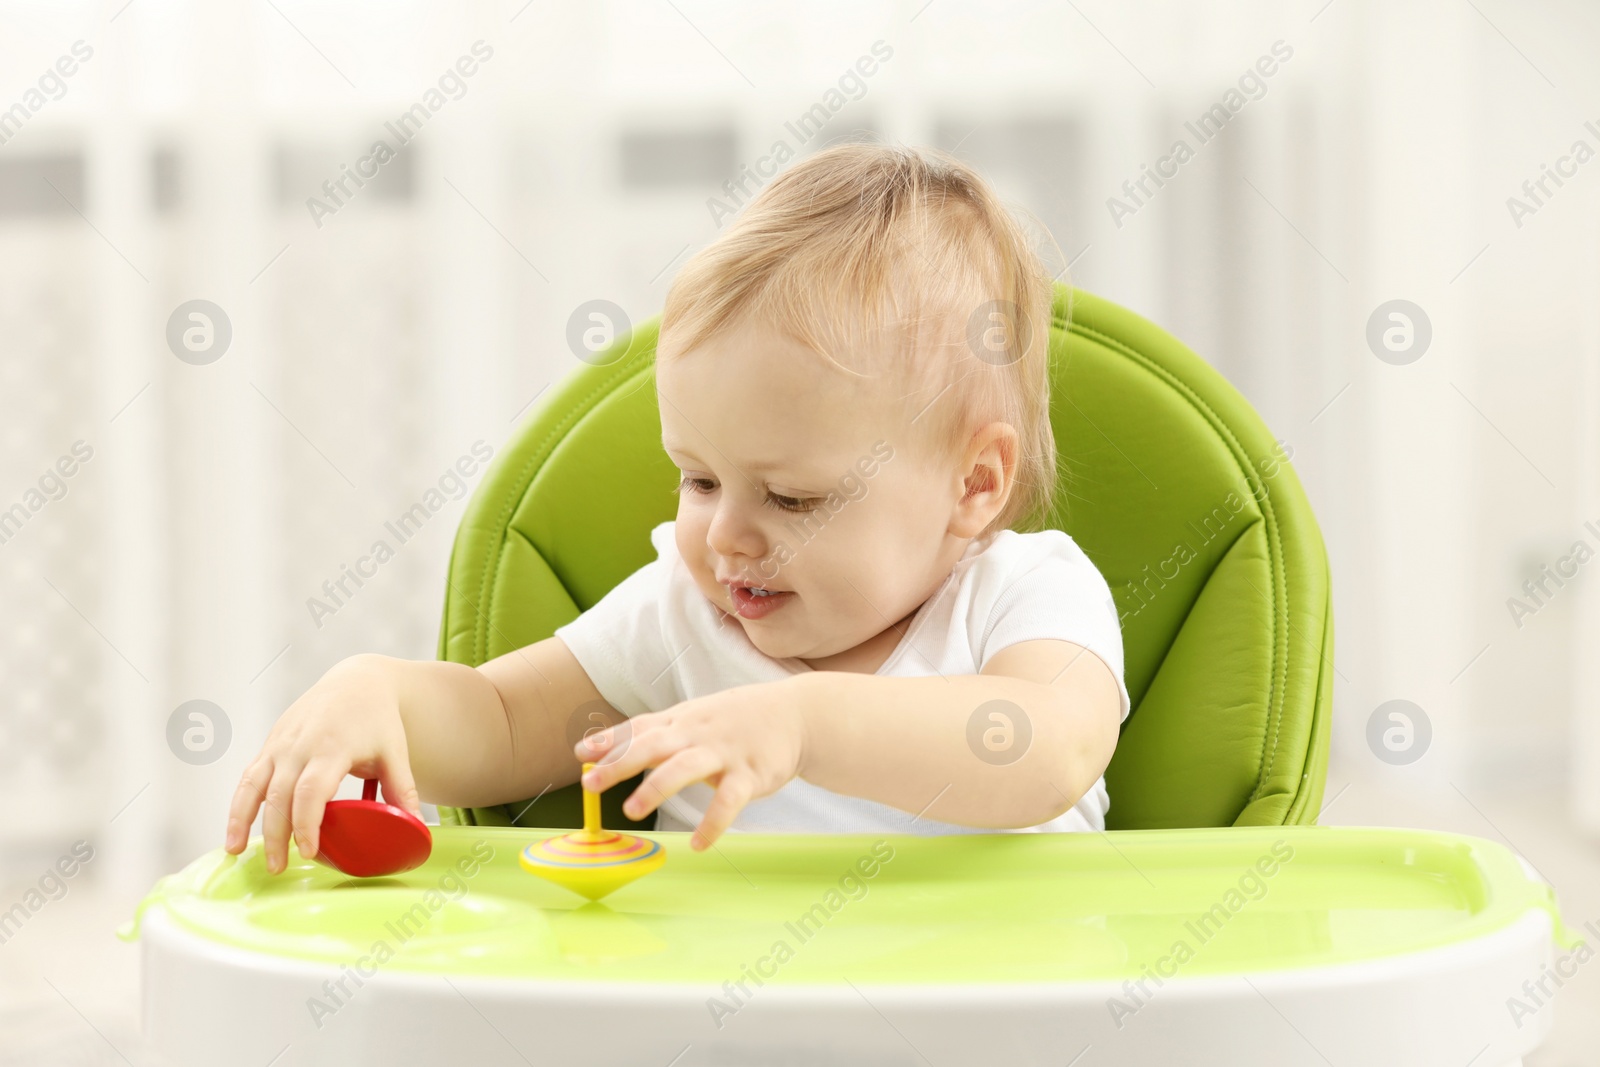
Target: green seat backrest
(1169,481)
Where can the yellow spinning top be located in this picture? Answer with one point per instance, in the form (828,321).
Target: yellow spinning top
(593,861)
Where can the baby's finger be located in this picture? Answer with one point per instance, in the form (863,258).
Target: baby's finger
(317,785)
(643,751)
(399,787)
(246,802)
(733,793)
(688,766)
(275,822)
(598,744)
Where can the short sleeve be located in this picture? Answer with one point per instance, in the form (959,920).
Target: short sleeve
(620,643)
(1055,592)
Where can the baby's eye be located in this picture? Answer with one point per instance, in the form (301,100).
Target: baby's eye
(789,503)
(701,486)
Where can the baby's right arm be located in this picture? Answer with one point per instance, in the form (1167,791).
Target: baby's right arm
(453,734)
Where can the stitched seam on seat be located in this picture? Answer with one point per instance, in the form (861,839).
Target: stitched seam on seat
(1275,692)
(525,477)
(512,531)
(1268,758)
(1221,558)
(1299,803)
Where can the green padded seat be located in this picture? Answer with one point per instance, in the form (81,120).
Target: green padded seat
(1169,481)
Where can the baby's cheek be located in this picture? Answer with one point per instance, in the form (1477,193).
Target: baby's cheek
(689,531)
(705,579)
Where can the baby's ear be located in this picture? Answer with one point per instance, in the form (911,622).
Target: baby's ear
(983,479)
(992,462)
(991,466)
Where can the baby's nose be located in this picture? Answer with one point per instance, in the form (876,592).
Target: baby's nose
(734,538)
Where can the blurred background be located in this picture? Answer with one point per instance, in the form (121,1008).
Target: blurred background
(235,342)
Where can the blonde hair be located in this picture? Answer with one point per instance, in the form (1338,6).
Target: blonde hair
(860,239)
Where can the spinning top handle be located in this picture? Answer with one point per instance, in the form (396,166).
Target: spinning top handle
(369,789)
(591,805)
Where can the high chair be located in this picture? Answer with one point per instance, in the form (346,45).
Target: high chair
(1169,481)
(1214,924)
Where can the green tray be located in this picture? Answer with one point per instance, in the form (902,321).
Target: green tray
(885,909)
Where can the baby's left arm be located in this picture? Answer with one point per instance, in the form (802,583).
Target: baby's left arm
(1014,746)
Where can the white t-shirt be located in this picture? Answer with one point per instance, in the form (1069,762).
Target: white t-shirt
(655,640)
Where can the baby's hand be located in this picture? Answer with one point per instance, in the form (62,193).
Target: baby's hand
(348,723)
(747,742)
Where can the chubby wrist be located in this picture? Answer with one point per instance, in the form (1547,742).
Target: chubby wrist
(363,665)
(368,671)
(814,697)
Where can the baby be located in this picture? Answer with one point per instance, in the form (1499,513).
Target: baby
(842,631)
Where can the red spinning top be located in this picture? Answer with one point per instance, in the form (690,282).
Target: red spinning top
(367,838)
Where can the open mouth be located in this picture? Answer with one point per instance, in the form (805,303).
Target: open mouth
(756,602)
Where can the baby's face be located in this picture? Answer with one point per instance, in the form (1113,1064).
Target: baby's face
(804,481)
